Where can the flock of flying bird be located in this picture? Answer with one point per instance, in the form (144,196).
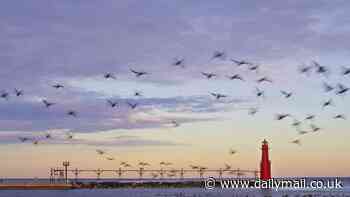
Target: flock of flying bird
(314,67)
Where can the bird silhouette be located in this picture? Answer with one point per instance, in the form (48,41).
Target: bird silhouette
(301,132)
(110,158)
(240,62)
(286,94)
(109,76)
(254,68)
(218,95)
(48,136)
(58,86)
(297,142)
(18,92)
(4,95)
(327,87)
(340,116)
(232,151)
(252,111)
(327,103)
(144,164)
(193,167)
(132,105)
(346,71)
(137,94)
(179,62)
(305,69)
(341,89)
(259,93)
(47,103)
(69,135)
(112,103)
(296,123)
(264,79)
(208,75)
(282,116)
(320,69)
(23,139)
(100,152)
(218,55)
(138,73)
(314,128)
(236,76)
(310,117)
(72,113)
(35,142)
(227,167)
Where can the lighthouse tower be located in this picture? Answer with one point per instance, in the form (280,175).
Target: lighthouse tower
(265,165)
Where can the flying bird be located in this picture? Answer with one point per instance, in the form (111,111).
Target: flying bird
(100,152)
(259,93)
(144,164)
(110,158)
(232,151)
(138,73)
(218,96)
(137,94)
(327,87)
(69,135)
(264,79)
(48,136)
(112,103)
(346,71)
(297,142)
(47,103)
(18,92)
(341,89)
(4,95)
(254,67)
(218,55)
(236,76)
(296,123)
(282,116)
(132,105)
(305,69)
(310,117)
(179,62)
(320,69)
(286,94)
(227,167)
(314,128)
(340,116)
(252,111)
(303,132)
(208,75)
(327,103)
(58,86)
(109,76)
(23,139)
(72,113)
(240,62)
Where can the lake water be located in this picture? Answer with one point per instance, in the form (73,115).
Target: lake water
(188,192)
(179,192)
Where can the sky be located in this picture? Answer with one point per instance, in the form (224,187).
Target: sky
(75,43)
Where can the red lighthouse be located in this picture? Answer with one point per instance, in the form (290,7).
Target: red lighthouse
(265,165)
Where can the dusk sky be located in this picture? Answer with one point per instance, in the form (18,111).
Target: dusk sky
(75,43)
